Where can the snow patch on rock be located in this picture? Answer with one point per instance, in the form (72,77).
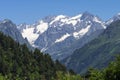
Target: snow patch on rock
(82,32)
(62,38)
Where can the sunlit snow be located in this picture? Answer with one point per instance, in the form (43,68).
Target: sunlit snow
(30,35)
(57,18)
(66,20)
(77,17)
(62,38)
(82,32)
(96,20)
(42,27)
(72,20)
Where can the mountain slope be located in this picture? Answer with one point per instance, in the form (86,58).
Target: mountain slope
(10,29)
(97,53)
(57,34)
(18,63)
(114,18)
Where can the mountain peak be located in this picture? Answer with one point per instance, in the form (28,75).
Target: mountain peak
(113,19)
(7,21)
(87,16)
(86,12)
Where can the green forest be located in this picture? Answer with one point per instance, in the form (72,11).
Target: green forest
(18,63)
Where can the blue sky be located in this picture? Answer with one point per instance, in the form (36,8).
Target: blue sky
(29,11)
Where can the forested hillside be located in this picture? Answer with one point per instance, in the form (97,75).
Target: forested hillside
(18,63)
(112,72)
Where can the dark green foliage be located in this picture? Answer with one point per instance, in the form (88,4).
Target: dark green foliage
(59,66)
(18,63)
(62,76)
(112,72)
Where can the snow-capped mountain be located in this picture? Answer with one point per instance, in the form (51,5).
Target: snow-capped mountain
(113,19)
(61,35)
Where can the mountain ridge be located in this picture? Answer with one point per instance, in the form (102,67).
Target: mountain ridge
(50,33)
(98,52)
(10,29)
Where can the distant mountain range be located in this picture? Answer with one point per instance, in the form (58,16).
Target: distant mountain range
(79,42)
(61,35)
